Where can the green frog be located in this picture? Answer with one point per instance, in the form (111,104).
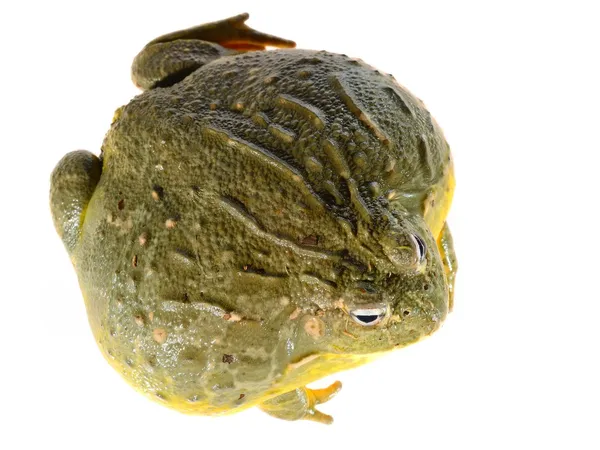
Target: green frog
(257,220)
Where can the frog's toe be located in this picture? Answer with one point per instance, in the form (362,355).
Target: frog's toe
(319,396)
(235,34)
(318,416)
(301,404)
(326,394)
(72,185)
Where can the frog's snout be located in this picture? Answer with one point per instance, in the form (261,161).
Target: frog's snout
(426,316)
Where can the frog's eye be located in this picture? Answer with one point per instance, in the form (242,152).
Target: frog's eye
(404,250)
(421,248)
(368,317)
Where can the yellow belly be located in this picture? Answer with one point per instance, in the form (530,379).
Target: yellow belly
(437,203)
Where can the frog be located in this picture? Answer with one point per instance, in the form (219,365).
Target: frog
(259,217)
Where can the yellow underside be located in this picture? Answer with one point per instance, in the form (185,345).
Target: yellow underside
(298,376)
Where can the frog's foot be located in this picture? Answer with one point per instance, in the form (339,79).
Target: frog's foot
(230,33)
(301,404)
(72,184)
(170,58)
(446,248)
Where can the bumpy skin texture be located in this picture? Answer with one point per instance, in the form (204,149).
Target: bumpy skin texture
(244,213)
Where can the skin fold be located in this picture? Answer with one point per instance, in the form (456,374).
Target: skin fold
(257,220)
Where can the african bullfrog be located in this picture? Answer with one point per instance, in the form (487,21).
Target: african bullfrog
(257,220)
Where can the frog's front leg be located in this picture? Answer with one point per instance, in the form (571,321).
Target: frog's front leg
(72,185)
(446,247)
(301,404)
(170,58)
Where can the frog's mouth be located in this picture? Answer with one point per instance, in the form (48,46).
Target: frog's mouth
(368,316)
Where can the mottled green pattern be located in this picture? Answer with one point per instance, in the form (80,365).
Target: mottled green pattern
(243,213)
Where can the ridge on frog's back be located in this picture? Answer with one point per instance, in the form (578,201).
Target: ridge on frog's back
(326,116)
(257,220)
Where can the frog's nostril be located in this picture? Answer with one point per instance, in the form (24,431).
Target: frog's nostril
(368,316)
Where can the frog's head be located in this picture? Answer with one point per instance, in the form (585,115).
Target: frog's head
(384,309)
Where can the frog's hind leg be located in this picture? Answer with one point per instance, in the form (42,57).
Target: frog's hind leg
(301,404)
(170,58)
(446,248)
(72,185)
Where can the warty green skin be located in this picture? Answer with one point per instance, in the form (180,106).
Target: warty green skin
(242,212)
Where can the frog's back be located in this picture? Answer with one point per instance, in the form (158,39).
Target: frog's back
(326,117)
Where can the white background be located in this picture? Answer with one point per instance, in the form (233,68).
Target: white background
(514,85)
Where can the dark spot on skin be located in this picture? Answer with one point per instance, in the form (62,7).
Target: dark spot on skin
(406,313)
(158,192)
(251,269)
(425,287)
(228,359)
(241,396)
(311,240)
(121,204)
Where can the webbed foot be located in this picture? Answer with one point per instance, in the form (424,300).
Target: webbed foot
(301,404)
